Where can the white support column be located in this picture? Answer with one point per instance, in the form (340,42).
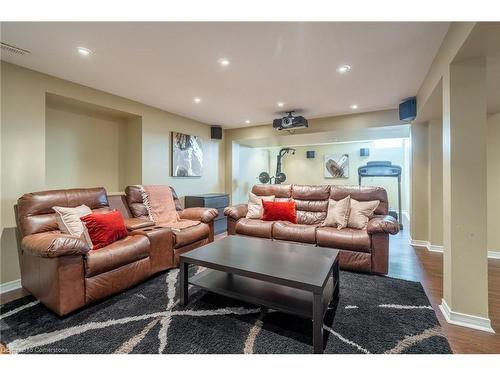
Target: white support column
(465,273)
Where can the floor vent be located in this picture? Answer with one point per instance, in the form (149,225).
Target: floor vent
(12,49)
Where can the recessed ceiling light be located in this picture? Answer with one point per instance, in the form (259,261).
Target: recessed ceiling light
(247,121)
(224,62)
(343,69)
(281,104)
(83,51)
(197,100)
(354,106)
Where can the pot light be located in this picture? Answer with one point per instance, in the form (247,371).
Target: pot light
(343,69)
(280,104)
(354,106)
(197,100)
(247,121)
(83,51)
(224,62)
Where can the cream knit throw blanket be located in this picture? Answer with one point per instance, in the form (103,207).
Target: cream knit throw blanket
(160,204)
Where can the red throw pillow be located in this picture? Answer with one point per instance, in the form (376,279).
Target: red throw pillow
(279,211)
(104,227)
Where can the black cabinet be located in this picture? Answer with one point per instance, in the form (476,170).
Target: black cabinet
(213,200)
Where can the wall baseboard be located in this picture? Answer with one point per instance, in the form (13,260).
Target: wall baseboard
(10,286)
(419,243)
(492,254)
(465,320)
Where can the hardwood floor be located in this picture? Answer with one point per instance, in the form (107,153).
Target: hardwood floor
(419,264)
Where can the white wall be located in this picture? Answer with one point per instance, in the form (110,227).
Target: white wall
(251,162)
(300,170)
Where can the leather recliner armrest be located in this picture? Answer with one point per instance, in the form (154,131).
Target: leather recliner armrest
(135,223)
(203,214)
(383,224)
(54,244)
(236,212)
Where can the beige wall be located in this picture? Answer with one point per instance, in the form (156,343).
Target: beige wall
(419,183)
(493,171)
(81,150)
(432,221)
(435,183)
(23,138)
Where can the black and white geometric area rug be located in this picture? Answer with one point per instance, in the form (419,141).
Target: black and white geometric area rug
(375,314)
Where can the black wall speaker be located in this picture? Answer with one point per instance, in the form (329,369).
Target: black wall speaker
(408,110)
(216,132)
(310,154)
(364,152)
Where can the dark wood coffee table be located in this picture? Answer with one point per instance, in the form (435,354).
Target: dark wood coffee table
(296,279)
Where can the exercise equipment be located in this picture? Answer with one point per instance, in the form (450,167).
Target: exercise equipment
(383,169)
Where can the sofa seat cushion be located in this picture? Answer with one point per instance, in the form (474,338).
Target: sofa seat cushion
(187,236)
(254,228)
(284,230)
(119,253)
(346,239)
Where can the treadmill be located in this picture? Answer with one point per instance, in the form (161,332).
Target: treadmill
(383,169)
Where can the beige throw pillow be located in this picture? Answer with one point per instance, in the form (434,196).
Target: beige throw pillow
(361,213)
(255,209)
(338,213)
(68,221)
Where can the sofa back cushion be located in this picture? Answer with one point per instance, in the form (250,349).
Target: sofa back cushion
(282,193)
(135,202)
(362,194)
(311,202)
(35,213)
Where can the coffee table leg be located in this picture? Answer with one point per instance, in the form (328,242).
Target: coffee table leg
(184,283)
(318,323)
(336,278)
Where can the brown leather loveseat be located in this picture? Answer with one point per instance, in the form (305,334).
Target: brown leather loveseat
(63,272)
(364,250)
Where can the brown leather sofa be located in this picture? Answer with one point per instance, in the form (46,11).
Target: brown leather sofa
(182,240)
(365,250)
(62,271)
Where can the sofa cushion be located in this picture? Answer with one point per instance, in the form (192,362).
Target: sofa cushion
(361,213)
(346,239)
(279,211)
(189,235)
(119,253)
(338,213)
(104,228)
(254,227)
(68,219)
(284,230)
(255,209)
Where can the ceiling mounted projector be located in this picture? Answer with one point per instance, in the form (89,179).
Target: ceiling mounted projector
(290,122)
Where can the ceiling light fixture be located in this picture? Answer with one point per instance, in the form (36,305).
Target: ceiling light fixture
(343,69)
(281,104)
(83,51)
(247,121)
(224,62)
(354,106)
(197,100)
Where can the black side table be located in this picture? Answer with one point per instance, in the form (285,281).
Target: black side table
(212,200)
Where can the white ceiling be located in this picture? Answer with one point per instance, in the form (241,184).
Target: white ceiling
(166,65)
